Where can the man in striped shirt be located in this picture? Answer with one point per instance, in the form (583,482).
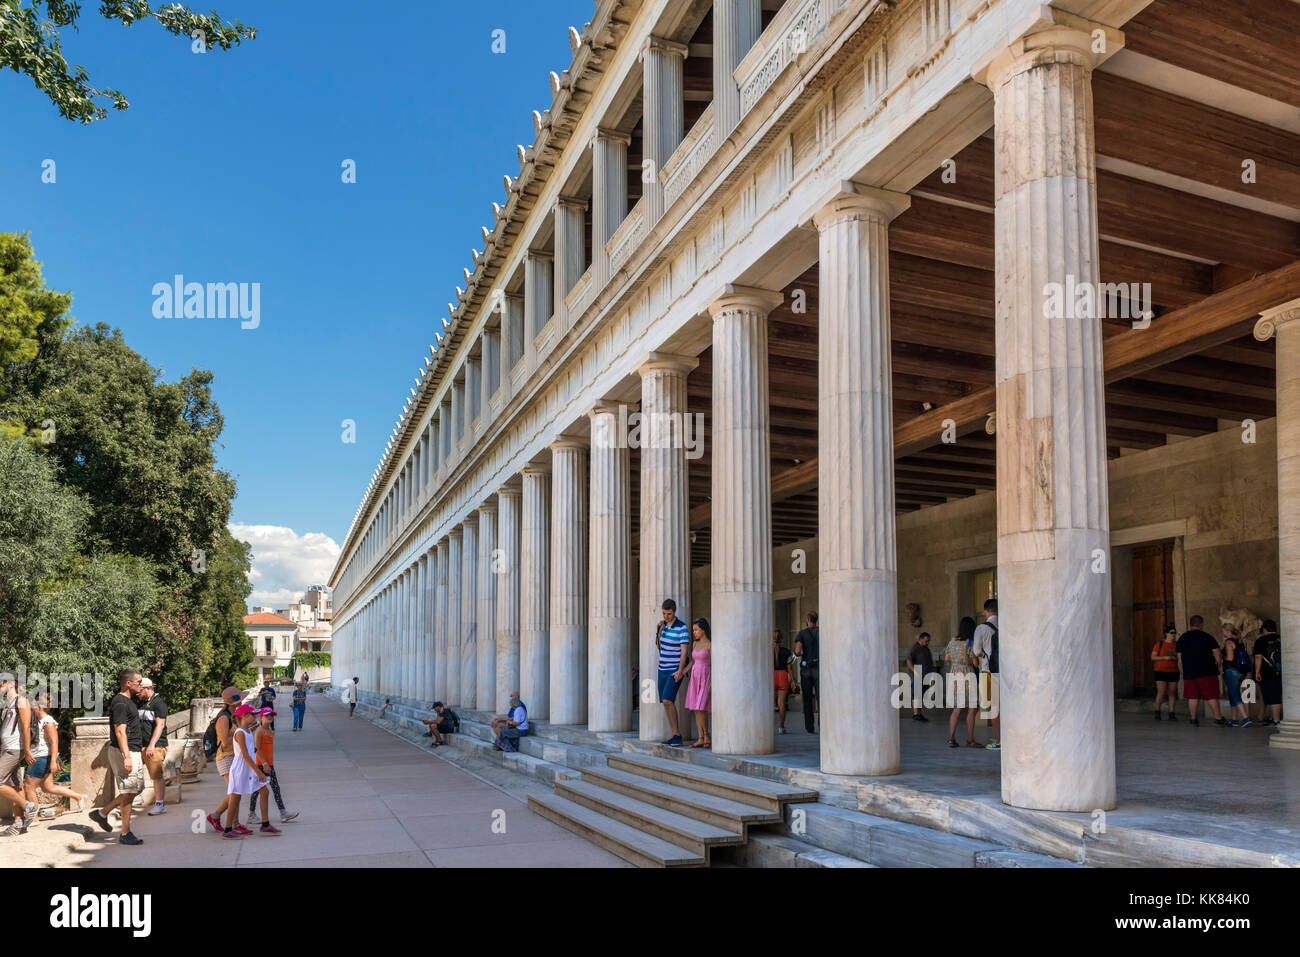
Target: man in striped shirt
(674,649)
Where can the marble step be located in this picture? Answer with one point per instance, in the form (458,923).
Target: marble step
(775,850)
(623,840)
(694,835)
(761,793)
(721,812)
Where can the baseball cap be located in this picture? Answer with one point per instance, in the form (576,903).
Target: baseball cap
(244,709)
(146,682)
(270,711)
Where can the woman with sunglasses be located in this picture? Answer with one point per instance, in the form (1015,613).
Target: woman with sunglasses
(1165,656)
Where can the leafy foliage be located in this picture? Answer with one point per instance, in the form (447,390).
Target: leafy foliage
(30,43)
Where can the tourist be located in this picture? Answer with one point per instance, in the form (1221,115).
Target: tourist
(40,773)
(267,698)
(225,728)
(699,695)
(125,738)
(388,703)
(1200,660)
(1268,669)
(673,644)
(245,776)
(446,722)
(962,689)
(920,662)
(985,649)
(299,704)
(153,721)
(264,748)
(1236,667)
(513,727)
(806,649)
(782,675)
(1165,656)
(15,751)
(350,696)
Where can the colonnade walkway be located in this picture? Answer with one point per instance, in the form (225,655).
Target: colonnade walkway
(365,798)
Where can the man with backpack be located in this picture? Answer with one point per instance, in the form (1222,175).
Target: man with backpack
(1268,669)
(219,745)
(985,649)
(446,722)
(806,649)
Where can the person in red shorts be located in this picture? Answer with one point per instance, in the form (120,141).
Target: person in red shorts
(1200,661)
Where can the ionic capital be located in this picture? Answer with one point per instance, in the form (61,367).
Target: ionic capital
(851,201)
(1270,320)
(1045,37)
(663,47)
(614,136)
(571,202)
(744,299)
(658,363)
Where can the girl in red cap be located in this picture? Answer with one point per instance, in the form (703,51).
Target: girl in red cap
(245,776)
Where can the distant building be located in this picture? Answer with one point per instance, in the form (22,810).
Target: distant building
(274,639)
(278,634)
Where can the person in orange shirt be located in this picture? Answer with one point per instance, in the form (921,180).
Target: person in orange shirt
(264,740)
(1165,656)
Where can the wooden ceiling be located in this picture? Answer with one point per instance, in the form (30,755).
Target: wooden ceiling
(1173,211)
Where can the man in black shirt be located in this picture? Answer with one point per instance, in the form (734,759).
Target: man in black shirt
(125,737)
(153,719)
(1267,654)
(1200,661)
(806,650)
(920,662)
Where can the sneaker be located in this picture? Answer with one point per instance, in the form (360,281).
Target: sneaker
(231,836)
(215,822)
(922,718)
(1194,723)
(158,808)
(1220,722)
(917,717)
(98,817)
(674,741)
(269,830)
(1157,715)
(241,830)
(993,746)
(254,818)
(29,813)
(287,816)
(1245,723)
(1172,716)
(129,838)
(780,730)
(9,831)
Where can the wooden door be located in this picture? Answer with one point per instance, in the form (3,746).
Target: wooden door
(1153,606)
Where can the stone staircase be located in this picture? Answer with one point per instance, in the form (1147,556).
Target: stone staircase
(658,813)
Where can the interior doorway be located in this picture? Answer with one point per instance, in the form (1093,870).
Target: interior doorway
(1153,606)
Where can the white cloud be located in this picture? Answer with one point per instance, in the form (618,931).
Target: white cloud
(284,562)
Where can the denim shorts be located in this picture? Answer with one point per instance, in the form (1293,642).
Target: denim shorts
(39,768)
(668,686)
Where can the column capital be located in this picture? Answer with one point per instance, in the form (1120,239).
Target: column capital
(852,201)
(539,255)
(511,488)
(664,46)
(617,136)
(565,444)
(604,407)
(455,534)
(571,202)
(667,362)
(469,521)
(1047,36)
(536,470)
(731,298)
(488,507)
(1270,320)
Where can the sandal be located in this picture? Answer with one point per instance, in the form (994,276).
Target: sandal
(953,744)
(699,744)
(973,744)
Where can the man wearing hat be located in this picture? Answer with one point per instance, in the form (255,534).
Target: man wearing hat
(226,753)
(153,719)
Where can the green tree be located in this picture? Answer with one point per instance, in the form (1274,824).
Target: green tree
(30,44)
(31,316)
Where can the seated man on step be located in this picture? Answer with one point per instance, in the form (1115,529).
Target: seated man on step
(513,726)
(447,722)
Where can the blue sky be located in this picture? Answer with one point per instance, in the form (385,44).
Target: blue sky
(227,168)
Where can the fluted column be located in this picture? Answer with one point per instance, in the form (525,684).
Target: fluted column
(442,558)
(664,535)
(609,666)
(742,524)
(509,508)
(662,96)
(539,299)
(1284,323)
(856,543)
(1057,710)
(570,250)
(512,336)
(736,27)
(535,593)
(609,196)
(448,431)
(455,593)
(427,591)
(408,632)
(568,662)
(469,614)
(486,695)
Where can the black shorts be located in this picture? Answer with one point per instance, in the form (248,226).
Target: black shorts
(1167,676)
(446,727)
(1272,690)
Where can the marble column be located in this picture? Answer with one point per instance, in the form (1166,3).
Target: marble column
(609,666)
(488,575)
(509,506)
(539,296)
(512,335)
(427,593)
(736,28)
(742,523)
(570,249)
(407,634)
(1284,323)
(459,411)
(665,534)
(454,624)
(857,590)
(442,560)
(662,96)
(568,661)
(448,431)
(609,196)
(535,593)
(1057,710)
(469,614)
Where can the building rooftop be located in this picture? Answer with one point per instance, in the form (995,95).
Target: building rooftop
(267,618)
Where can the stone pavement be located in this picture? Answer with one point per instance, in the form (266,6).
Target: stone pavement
(366,797)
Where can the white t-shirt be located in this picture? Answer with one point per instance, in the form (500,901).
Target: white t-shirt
(350,694)
(983,643)
(42,746)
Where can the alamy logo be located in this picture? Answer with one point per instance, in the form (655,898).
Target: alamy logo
(654,430)
(77,910)
(214,300)
(1097,300)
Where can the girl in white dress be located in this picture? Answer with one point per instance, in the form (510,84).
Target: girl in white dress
(245,776)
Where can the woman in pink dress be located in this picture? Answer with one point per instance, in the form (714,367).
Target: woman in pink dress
(699,697)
